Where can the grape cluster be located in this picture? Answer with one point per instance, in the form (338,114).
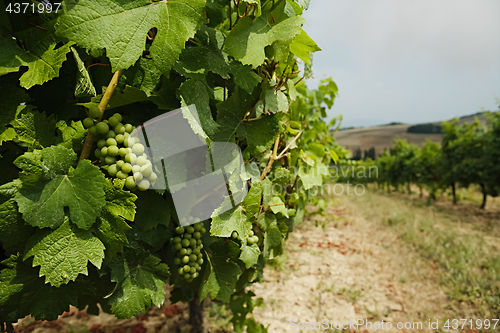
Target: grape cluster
(188,246)
(251,239)
(122,153)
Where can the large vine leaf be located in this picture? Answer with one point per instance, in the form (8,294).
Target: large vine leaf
(194,92)
(40,53)
(140,278)
(63,254)
(152,209)
(303,45)
(23,292)
(249,254)
(121,28)
(36,129)
(81,190)
(234,219)
(248,38)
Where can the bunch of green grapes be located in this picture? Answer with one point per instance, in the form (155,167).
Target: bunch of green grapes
(251,238)
(187,244)
(122,154)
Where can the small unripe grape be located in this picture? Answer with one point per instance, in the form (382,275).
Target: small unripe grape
(136,168)
(94,112)
(102,128)
(194,275)
(143,185)
(111,142)
(193,257)
(129,142)
(196,235)
(97,153)
(200,256)
(198,226)
(192,242)
(198,267)
(112,170)
(192,270)
(203,230)
(120,164)
(138,148)
(112,150)
(177,239)
(196,251)
(250,240)
(153,177)
(177,261)
(93,131)
(119,129)
(138,176)
(178,246)
(190,230)
(119,138)
(127,168)
(190,218)
(250,233)
(234,234)
(187,276)
(146,171)
(180,271)
(123,152)
(183,251)
(122,175)
(109,160)
(104,151)
(129,128)
(113,121)
(189,251)
(101,143)
(179,230)
(141,161)
(110,134)
(185,260)
(118,116)
(186,242)
(88,122)
(187,236)
(198,242)
(130,157)
(255,239)
(186,268)
(200,261)
(130,183)
(105,121)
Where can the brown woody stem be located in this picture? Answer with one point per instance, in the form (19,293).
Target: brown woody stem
(87,146)
(271,159)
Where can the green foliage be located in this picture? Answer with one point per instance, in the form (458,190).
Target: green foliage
(75,229)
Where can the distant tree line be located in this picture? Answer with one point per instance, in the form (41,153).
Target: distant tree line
(425,128)
(468,154)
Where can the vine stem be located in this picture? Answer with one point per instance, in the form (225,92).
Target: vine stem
(273,157)
(288,146)
(87,146)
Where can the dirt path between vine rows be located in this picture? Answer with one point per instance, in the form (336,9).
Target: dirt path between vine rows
(344,267)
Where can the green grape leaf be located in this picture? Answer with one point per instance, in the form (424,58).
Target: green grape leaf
(82,190)
(224,224)
(156,237)
(272,242)
(73,135)
(118,201)
(220,275)
(31,164)
(252,200)
(303,3)
(13,230)
(275,101)
(10,97)
(41,54)
(249,254)
(152,209)
(311,178)
(24,291)
(194,92)
(84,86)
(121,28)
(63,254)
(140,278)
(36,129)
(248,38)
(277,206)
(303,45)
(143,75)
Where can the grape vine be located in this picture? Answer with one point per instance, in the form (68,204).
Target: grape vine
(81,222)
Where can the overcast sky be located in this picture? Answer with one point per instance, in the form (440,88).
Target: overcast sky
(410,61)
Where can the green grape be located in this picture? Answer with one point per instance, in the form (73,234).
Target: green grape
(112,150)
(102,128)
(186,268)
(137,176)
(185,242)
(183,251)
(200,256)
(120,164)
(104,151)
(255,239)
(120,138)
(192,270)
(194,275)
(189,251)
(88,122)
(177,261)
(196,251)
(250,240)
(198,267)
(203,230)
(105,121)
(112,170)
(122,175)
(127,168)
(146,170)
(111,142)
(179,230)
(200,261)
(193,257)
(93,131)
(185,260)
(198,242)
(109,160)
(113,121)
(94,112)
(120,129)
(118,116)
(123,152)
(177,239)
(196,235)
(97,153)
(130,183)
(136,168)
(187,236)
(153,177)
(234,234)
(102,159)
(141,161)
(192,242)
(187,276)
(130,157)
(180,271)
(192,264)
(190,230)
(178,246)
(101,143)
(198,226)
(129,128)
(250,233)
(143,185)
(138,148)
(110,134)
(129,142)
